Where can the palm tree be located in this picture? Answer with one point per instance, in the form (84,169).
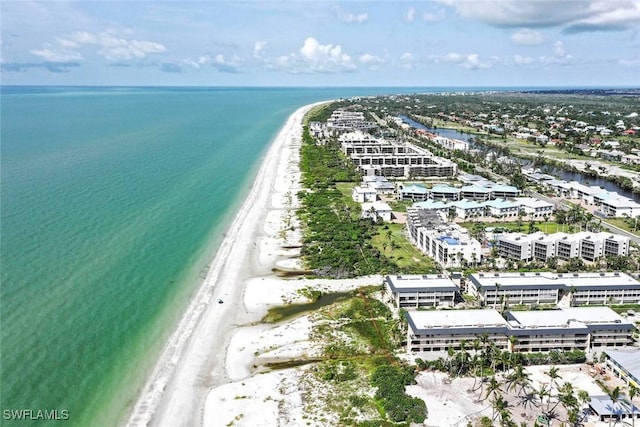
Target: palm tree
(633,392)
(499,405)
(567,398)
(493,388)
(477,361)
(615,397)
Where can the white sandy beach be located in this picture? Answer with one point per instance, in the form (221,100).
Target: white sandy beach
(212,371)
(193,361)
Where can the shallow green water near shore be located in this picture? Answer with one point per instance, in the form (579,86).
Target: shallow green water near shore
(113,202)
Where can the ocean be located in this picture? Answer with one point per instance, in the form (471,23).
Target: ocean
(113,201)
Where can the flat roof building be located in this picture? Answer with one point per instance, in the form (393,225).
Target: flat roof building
(598,288)
(625,364)
(540,246)
(426,290)
(439,330)
(532,331)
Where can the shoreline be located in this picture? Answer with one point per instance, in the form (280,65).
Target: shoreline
(193,360)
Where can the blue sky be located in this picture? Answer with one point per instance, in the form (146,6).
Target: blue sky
(322,43)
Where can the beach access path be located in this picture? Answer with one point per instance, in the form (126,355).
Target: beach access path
(193,360)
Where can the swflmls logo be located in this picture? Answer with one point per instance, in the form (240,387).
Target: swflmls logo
(35,415)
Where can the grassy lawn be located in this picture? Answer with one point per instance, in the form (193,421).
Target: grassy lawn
(396,247)
(548,227)
(345,188)
(620,222)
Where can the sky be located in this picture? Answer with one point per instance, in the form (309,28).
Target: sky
(437,43)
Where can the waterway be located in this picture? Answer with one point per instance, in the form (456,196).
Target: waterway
(560,173)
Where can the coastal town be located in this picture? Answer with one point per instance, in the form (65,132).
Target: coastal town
(391,268)
(458,296)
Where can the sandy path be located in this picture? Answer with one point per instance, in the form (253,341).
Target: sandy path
(193,361)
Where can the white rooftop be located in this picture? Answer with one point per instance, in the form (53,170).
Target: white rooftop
(421,281)
(575,317)
(456,318)
(489,280)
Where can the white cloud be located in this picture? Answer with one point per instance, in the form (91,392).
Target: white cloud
(53,54)
(350,18)
(407,61)
(325,58)
(411,14)
(258,47)
(110,47)
(573,16)
(227,65)
(527,37)
(118,49)
(559,49)
(198,63)
(314,57)
(470,61)
(372,61)
(367,58)
(357,18)
(522,60)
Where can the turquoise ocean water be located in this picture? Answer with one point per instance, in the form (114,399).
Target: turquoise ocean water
(112,203)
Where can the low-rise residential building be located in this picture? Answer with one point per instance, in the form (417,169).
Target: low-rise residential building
(509,288)
(475,192)
(620,207)
(444,192)
(503,191)
(468,208)
(439,330)
(625,364)
(451,144)
(448,244)
(376,210)
(392,158)
(575,328)
(427,290)
(581,328)
(535,208)
(344,121)
(378,183)
(502,208)
(364,194)
(540,246)
(415,192)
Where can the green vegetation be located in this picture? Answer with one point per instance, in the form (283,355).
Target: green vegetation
(337,241)
(336,238)
(390,382)
(320,113)
(359,337)
(390,240)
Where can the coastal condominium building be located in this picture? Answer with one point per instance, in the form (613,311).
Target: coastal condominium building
(343,121)
(415,192)
(540,246)
(376,210)
(535,208)
(449,143)
(393,158)
(448,244)
(364,194)
(426,290)
(580,328)
(513,288)
(576,328)
(439,330)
